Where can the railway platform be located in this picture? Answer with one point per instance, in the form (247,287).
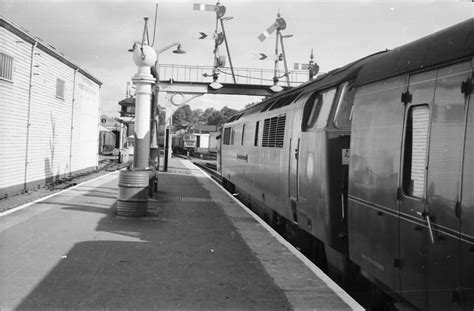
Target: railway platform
(198,248)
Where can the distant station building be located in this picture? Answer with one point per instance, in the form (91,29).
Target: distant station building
(205,137)
(50,112)
(112,134)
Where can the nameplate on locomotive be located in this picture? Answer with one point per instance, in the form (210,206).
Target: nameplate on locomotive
(243,157)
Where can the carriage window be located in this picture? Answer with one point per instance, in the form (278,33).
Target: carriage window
(255,142)
(343,117)
(416,141)
(317,109)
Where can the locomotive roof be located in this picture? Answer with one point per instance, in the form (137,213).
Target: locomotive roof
(443,46)
(329,79)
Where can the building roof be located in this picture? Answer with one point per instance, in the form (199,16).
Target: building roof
(204,128)
(129,101)
(49,49)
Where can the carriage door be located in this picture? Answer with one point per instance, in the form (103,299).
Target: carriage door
(429,242)
(467,212)
(293,153)
(447,136)
(412,193)
(313,190)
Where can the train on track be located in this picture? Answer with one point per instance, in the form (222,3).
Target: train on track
(184,143)
(371,166)
(107,142)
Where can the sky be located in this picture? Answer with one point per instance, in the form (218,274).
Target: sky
(96,35)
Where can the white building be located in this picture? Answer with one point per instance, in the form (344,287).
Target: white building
(49,116)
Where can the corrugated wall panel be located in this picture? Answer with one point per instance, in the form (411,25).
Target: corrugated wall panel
(54,150)
(76,131)
(14,106)
(50,122)
(88,101)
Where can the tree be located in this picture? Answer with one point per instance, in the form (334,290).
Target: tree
(183,115)
(216,118)
(196,116)
(227,112)
(204,119)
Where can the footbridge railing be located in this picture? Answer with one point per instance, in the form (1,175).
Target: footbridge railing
(249,76)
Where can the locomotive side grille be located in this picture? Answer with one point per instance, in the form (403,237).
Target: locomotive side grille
(266,133)
(227,131)
(280,131)
(273,131)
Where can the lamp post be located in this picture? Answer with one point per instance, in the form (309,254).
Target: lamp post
(168,115)
(144,57)
(134,184)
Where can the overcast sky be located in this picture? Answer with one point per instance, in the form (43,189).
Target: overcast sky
(96,35)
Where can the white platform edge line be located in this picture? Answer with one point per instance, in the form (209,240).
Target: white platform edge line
(354,305)
(15,209)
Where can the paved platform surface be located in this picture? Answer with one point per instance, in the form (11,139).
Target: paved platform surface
(198,249)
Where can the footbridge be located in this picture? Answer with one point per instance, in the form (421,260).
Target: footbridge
(193,80)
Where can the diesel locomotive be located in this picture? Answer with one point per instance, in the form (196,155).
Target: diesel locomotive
(373,164)
(184,143)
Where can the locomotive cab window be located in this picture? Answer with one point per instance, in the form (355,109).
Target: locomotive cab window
(414,158)
(317,109)
(343,118)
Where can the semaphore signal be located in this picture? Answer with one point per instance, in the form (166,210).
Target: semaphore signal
(278,25)
(219,38)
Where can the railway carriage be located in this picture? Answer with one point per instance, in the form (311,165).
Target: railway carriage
(375,163)
(411,202)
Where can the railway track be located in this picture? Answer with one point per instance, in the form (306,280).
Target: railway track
(209,168)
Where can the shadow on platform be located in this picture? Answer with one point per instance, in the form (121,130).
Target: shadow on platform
(187,257)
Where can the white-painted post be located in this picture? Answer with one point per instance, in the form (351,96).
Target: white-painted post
(144,57)
(134,184)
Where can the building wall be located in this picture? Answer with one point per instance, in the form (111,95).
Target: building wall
(203,145)
(14,114)
(43,137)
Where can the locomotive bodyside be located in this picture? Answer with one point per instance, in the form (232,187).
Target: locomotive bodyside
(288,158)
